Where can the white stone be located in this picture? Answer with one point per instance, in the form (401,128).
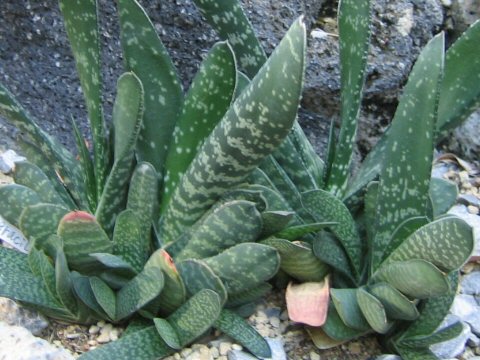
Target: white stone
(473,220)
(14,314)
(8,160)
(453,347)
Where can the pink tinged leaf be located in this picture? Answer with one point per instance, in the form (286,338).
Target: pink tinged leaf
(307,303)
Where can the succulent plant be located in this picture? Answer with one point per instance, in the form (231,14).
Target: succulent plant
(101,229)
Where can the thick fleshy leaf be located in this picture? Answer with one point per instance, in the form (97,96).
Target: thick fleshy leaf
(144,344)
(328,250)
(460,91)
(416,278)
(13,261)
(231,24)
(167,333)
(238,329)
(326,207)
(447,243)
(104,296)
(115,264)
(336,329)
(251,295)
(320,339)
(146,56)
(354,18)
(298,260)
(80,18)
(139,291)
(82,235)
(38,222)
(127,118)
(346,304)
(397,305)
(373,311)
(83,290)
(252,128)
(15,198)
(63,282)
(129,242)
(275,221)
(207,100)
(42,266)
(307,303)
(370,211)
(196,316)
(298,231)
(232,223)
(443,194)
(143,197)
(234,265)
(442,335)
(405,174)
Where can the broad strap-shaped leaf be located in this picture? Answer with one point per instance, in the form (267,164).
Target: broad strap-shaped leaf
(31,176)
(42,266)
(241,84)
(347,306)
(129,242)
(460,90)
(231,23)
(234,266)
(167,333)
(63,163)
(443,194)
(104,295)
(127,119)
(13,261)
(82,235)
(115,264)
(238,329)
(442,335)
(144,344)
(83,291)
(139,291)
(63,283)
(320,339)
(37,222)
(354,18)
(336,329)
(298,260)
(373,311)
(207,100)
(15,198)
(81,23)
(370,211)
(275,221)
(196,316)
(251,295)
(88,168)
(447,243)
(326,207)
(298,231)
(415,354)
(416,278)
(251,129)
(232,223)
(143,197)
(397,305)
(198,276)
(146,56)
(405,174)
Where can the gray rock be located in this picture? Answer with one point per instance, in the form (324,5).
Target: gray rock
(239,355)
(278,350)
(388,357)
(473,341)
(464,13)
(468,199)
(470,284)
(465,140)
(472,220)
(467,308)
(16,343)
(453,347)
(7,161)
(13,314)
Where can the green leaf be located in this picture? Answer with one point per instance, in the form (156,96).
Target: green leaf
(143,197)
(415,278)
(82,235)
(83,291)
(146,56)
(354,19)
(347,306)
(128,242)
(127,118)
(31,176)
(167,333)
(326,207)
(104,295)
(397,305)
(15,198)
(336,329)
(198,276)
(245,136)
(275,221)
(443,194)
(447,243)
(45,269)
(234,265)
(63,283)
(230,22)
(139,291)
(251,295)
(144,344)
(460,90)
(241,84)
(207,100)
(80,18)
(370,210)
(297,232)
(242,332)
(231,224)
(328,250)
(415,354)
(442,335)
(196,316)
(298,260)
(405,174)
(115,264)
(373,311)
(38,222)
(13,261)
